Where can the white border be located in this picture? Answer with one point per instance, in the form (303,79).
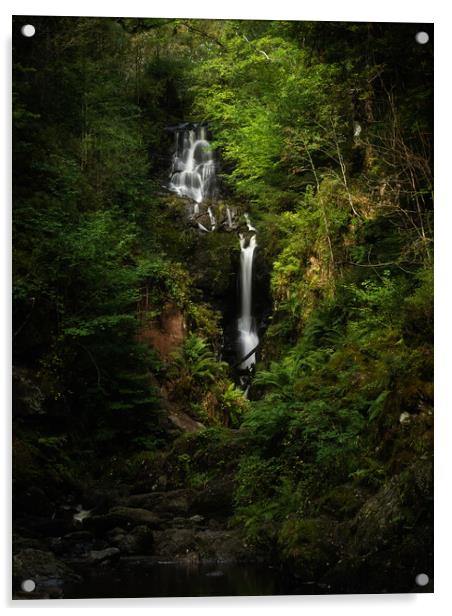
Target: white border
(341,10)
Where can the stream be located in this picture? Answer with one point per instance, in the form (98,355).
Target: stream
(143,577)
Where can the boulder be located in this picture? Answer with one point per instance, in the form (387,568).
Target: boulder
(184,422)
(173,503)
(108,554)
(126,517)
(43,568)
(216,500)
(139,541)
(398,505)
(201,545)
(76,543)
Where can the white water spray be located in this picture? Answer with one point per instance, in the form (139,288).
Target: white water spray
(193,167)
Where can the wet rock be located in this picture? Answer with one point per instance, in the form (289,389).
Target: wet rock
(221,546)
(139,541)
(78,542)
(127,517)
(174,503)
(216,500)
(108,554)
(43,568)
(174,543)
(185,423)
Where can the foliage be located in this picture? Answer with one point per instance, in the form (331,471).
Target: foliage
(323,131)
(195,364)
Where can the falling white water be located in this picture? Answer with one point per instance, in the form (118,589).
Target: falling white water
(213,222)
(193,168)
(248,338)
(248,223)
(229,215)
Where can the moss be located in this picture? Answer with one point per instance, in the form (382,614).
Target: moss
(309,544)
(342,502)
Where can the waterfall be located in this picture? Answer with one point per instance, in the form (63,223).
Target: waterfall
(248,223)
(248,338)
(213,221)
(193,176)
(193,166)
(229,215)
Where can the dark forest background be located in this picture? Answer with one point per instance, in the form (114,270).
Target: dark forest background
(324,134)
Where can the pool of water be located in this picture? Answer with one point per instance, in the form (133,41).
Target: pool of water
(145,578)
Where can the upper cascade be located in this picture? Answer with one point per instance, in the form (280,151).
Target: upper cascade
(193,166)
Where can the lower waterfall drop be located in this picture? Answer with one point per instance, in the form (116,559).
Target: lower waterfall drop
(248,337)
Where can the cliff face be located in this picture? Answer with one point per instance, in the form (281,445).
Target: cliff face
(166,333)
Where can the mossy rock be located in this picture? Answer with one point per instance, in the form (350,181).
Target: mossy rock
(396,510)
(309,545)
(42,567)
(342,502)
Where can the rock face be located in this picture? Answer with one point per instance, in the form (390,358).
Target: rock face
(390,539)
(166,334)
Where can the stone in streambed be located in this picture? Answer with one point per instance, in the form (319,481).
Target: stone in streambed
(202,545)
(76,543)
(174,502)
(99,556)
(127,517)
(139,541)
